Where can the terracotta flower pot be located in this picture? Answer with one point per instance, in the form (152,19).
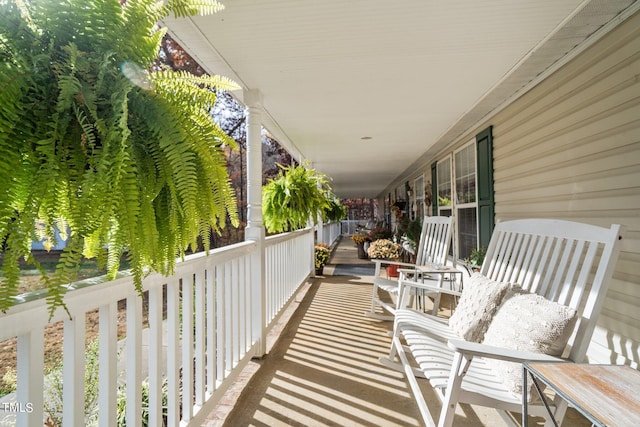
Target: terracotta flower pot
(392,270)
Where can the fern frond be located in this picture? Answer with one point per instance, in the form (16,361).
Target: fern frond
(183,8)
(136,168)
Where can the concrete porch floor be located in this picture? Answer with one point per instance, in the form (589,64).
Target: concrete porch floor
(323,370)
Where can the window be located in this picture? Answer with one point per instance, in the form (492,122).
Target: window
(465,201)
(418,187)
(457,196)
(467,174)
(444,187)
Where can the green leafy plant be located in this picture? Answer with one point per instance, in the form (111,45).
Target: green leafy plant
(335,211)
(53,394)
(380,233)
(53,390)
(121,404)
(410,231)
(476,257)
(127,159)
(444,201)
(298,195)
(8,382)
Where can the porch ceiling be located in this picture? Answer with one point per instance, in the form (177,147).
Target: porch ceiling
(365,89)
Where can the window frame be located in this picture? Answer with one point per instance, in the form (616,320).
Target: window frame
(456,206)
(445,208)
(418,190)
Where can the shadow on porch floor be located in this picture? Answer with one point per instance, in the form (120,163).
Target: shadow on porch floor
(323,369)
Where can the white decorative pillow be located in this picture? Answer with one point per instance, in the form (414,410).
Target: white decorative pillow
(528,322)
(479,300)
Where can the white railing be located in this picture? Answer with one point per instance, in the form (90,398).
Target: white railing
(290,260)
(209,330)
(330,232)
(350,226)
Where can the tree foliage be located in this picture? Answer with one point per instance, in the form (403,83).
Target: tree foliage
(130,161)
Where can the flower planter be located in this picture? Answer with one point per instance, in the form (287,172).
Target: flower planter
(319,271)
(392,270)
(362,254)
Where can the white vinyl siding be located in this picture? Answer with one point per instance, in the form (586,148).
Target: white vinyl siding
(570,148)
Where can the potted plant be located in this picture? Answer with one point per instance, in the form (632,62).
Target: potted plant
(360,240)
(98,137)
(386,249)
(334,211)
(296,196)
(476,258)
(321,257)
(380,233)
(408,233)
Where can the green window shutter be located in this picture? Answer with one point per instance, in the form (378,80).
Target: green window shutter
(486,210)
(434,188)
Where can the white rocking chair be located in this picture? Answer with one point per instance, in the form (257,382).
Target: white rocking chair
(432,250)
(567,263)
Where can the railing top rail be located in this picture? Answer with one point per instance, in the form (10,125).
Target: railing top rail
(282,237)
(90,294)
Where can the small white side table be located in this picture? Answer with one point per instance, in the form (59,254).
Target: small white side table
(607,395)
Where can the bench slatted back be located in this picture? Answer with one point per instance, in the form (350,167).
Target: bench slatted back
(566,262)
(435,239)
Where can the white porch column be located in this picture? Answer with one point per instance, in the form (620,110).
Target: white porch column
(255,229)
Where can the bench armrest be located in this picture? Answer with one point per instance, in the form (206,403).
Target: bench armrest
(491,352)
(379,262)
(428,287)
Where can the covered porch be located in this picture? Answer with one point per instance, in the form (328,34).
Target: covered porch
(568,148)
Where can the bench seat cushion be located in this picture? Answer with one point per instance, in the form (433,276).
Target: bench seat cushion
(528,322)
(479,300)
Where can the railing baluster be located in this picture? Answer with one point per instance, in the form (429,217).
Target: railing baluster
(134,360)
(30,368)
(228,320)
(200,339)
(155,356)
(246,297)
(211,330)
(187,348)
(107,358)
(173,355)
(236,312)
(220,323)
(73,371)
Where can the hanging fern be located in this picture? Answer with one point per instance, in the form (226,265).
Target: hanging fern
(91,141)
(298,195)
(334,211)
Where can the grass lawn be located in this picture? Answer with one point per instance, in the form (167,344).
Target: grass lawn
(30,276)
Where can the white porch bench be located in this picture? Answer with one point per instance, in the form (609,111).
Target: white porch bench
(568,264)
(432,249)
